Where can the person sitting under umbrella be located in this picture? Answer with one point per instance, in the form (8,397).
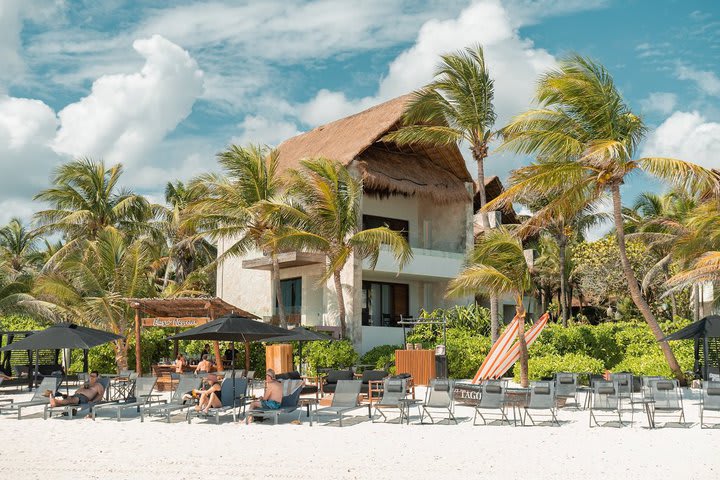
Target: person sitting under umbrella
(204,365)
(210,397)
(272,398)
(88,393)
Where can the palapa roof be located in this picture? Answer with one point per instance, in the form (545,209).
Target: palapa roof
(186,307)
(493,188)
(385,168)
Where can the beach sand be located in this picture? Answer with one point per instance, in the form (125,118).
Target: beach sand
(59,449)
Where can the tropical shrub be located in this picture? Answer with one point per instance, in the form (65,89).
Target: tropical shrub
(465,353)
(330,354)
(380,355)
(546,366)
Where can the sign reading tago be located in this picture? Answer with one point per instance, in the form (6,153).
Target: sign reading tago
(167,322)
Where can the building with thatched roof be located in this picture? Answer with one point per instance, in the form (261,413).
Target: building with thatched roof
(425,192)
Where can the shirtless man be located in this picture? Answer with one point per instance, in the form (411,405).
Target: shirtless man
(204,365)
(273,393)
(90,392)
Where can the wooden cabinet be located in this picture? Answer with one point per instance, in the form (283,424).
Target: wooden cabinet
(418,363)
(279,357)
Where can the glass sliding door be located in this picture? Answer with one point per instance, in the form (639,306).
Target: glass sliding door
(291,295)
(384,303)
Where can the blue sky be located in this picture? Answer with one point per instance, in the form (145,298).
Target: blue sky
(162,86)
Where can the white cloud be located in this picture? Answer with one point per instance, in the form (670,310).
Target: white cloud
(659,102)
(513,63)
(262,130)
(127,114)
(707,81)
(686,136)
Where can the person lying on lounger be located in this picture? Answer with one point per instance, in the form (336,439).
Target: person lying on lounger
(91,392)
(210,397)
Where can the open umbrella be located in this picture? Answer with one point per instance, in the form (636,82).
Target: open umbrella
(301,335)
(232,328)
(62,335)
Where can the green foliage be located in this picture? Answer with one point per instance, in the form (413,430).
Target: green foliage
(546,366)
(21,323)
(380,355)
(465,353)
(330,354)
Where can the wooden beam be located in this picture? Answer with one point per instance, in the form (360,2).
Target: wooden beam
(138,363)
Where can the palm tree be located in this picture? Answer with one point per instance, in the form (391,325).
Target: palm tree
(498,265)
(18,245)
(234,206)
(86,199)
(588,136)
(89,284)
(456,107)
(327,220)
(16,295)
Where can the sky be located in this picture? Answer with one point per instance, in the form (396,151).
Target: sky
(163,86)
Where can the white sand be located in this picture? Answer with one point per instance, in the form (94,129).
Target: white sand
(59,449)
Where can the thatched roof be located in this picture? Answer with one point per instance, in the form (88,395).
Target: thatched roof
(385,168)
(493,188)
(185,307)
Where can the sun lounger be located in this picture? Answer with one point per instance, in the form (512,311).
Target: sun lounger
(38,398)
(292,389)
(230,402)
(77,410)
(604,401)
(542,397)
(344,399)
(492,397)
(439,397)
(177,403)
(394,390)
(143,397)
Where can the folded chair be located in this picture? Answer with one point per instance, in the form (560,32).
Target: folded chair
(292,389)
(667,400)
(344,399)
(143,396)
(176,404)
(394,390)
(48,383)
(439,397)
(710,403)
(80,409)
(604,401)
(492,397)
(231,403)
(566,387)
(542,397)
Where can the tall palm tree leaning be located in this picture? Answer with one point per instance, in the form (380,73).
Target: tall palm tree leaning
(327,220)
(498,265)
(587,137)
(234,206)
(457,106)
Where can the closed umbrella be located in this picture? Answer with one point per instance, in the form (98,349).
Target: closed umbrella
(232,328)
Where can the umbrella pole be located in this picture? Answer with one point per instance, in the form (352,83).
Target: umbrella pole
(232,359)
(30,370)
(247,356)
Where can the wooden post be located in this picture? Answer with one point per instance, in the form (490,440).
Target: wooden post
(138,350)
(216,346)
(247,356)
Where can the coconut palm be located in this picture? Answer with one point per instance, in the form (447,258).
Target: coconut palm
(86,199)
(234,206)
(18,246)
(587,137)
(497,265)
(88,284)
(327,220)
(456,107)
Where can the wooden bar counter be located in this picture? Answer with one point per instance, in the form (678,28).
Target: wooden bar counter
(418,363)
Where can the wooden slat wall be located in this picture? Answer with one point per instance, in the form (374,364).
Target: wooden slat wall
(418,363)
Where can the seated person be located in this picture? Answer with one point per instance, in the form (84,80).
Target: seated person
(203,365)
(92,391)
(180,363)
(272,397)
(229,354)
(211,396)
(205,350)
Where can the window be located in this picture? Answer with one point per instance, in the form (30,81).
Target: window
(384,303)
(400,226)
(291,295)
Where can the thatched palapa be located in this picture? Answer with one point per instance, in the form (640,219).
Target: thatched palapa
(384,167)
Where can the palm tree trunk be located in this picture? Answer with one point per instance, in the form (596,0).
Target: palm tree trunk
(121,354)
(166,277)
(562,245)
(520,310)
(341,303)
(634,287)
(278,290)
(494,323)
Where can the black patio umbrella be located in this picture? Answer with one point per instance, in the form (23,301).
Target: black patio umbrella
(301,335)
(232,328)
(700,331)
(62,335)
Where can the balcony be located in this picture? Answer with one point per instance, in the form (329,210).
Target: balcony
(425,263)
(285,259)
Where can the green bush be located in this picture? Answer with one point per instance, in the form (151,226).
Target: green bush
(380,355)
(547,366)
(330,354)
(465,353)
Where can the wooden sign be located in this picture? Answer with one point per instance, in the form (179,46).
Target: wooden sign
(174,322)
(467,393)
